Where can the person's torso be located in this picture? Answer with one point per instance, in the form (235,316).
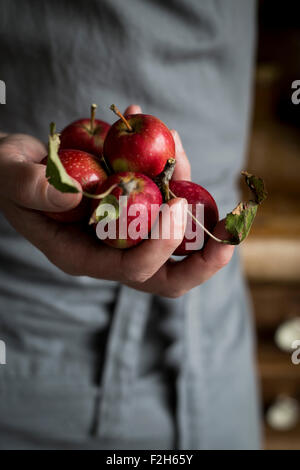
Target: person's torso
(187,62)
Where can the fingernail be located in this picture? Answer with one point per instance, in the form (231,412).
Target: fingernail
(181,200)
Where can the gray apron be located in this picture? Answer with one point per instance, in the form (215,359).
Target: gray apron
(90,363)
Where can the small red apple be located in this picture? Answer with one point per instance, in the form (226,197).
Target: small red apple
(87,170)
(140,190)
(194,193)
(139,143)
(86,134)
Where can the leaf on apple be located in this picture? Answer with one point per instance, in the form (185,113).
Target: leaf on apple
(55,171)
(239,221)
(112,211)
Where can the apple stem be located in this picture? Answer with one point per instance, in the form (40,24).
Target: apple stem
(100,196)
(52,128)
(163,178)
(120,115)
(202,226)
(93,114)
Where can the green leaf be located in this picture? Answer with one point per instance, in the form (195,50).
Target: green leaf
(55,172)
(238,222)
(112,213)
(257,186)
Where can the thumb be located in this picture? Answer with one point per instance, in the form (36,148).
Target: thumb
(25,184)
(61,202)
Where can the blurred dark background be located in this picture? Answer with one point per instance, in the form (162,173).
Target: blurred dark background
(272,252)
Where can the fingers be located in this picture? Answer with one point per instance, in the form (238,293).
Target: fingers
(22,145)
(23,181)
(59,242)
(142,262)
(133,109)
(200,266)
(217,255)
(25,184)
(182,168)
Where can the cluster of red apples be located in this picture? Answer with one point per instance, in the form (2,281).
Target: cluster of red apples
(126,158)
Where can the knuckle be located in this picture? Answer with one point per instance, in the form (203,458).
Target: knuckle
(174,241)
(132,271)
(137,276)
(223,259)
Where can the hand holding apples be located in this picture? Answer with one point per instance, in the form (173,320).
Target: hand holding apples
(24,196)
(24,192)
(144,144)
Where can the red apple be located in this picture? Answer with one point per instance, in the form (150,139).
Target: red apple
(139,143)
(194,193)
(86,134)
(87,170)
(139,190)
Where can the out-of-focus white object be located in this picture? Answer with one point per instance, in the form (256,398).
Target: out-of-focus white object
(287,333)
(283,414)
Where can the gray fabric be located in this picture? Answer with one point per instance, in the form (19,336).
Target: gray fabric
(92,364)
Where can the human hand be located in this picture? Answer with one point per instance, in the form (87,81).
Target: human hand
(24,191)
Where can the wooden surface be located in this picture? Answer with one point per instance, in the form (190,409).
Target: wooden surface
(284,440)
(271,254)
(274,303)
(272,250)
